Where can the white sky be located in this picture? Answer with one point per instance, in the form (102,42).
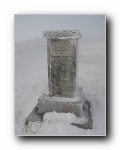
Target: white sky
(92,27)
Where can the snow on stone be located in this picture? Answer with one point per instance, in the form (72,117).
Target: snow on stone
(62,117)
(55,124)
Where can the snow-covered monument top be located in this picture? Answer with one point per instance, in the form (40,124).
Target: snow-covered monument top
(62,33)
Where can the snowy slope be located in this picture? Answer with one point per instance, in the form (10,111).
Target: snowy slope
(31,79)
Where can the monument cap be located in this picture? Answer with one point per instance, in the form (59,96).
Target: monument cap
(62,33)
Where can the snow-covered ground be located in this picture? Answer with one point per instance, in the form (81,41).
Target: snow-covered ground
(31,79)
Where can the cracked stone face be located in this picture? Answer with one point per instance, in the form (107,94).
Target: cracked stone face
(62,73)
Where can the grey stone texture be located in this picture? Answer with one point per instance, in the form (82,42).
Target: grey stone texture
(62,47)
(60,104)
(86,113)
(35,117)
(60,107)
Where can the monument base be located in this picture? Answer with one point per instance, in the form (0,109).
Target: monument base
(77,106)
(61,104)
(86,113)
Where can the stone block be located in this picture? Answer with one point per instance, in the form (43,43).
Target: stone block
(60,104)
(35,117)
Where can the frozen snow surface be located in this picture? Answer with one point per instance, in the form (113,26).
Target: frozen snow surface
(56,124)
(31,79)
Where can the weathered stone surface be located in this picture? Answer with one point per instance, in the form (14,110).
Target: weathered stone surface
(59,104)
(62,47)
(77,98)
(87,114)
(35,117)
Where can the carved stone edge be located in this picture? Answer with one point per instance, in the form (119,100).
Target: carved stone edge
(89,123)
(62,33)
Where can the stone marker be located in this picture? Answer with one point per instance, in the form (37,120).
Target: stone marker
(63,94)
(62,47)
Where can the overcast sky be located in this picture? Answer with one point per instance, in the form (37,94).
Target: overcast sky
(92,27)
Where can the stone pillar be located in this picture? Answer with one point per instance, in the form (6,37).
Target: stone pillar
(63,94)
(62,48)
